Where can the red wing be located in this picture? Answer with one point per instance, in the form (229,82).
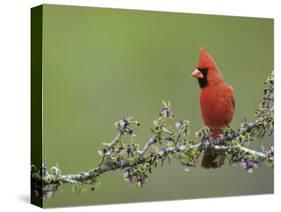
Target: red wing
(230,93)
(233,102)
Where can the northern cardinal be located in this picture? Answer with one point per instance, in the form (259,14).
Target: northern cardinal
(217,103)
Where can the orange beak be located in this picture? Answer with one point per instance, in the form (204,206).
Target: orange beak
(197,74)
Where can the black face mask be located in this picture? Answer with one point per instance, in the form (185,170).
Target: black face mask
(203,82)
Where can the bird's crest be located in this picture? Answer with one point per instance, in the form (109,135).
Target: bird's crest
(206,60)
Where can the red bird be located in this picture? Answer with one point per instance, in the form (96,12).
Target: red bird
(217,103)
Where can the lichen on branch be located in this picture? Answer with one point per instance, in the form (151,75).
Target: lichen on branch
(166,143)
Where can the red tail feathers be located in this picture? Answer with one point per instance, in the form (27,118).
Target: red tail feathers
(213,159)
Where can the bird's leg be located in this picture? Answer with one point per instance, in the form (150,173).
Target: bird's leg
(215,133)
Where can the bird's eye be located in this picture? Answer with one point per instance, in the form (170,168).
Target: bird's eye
(203,70)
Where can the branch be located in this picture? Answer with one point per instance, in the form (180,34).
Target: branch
(167,143)
(150,142)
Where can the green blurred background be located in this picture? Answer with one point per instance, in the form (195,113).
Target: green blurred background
(102,64)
